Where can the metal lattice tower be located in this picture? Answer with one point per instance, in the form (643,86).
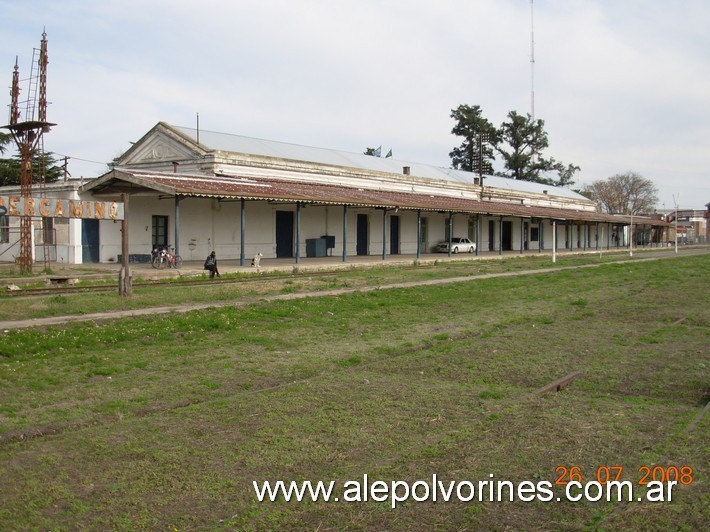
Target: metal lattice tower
(27,131)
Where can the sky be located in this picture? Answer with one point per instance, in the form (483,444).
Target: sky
(622,85)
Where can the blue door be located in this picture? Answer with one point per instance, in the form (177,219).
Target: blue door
(394,235)
(284,234)
(89,240)
(362,234)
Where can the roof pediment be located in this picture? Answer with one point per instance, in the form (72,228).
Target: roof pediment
(161,144)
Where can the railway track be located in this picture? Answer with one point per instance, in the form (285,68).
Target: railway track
(75,289)
(252,278)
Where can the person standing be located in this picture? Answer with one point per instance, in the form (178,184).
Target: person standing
(211,265)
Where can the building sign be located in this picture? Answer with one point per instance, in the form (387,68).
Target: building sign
(60,208)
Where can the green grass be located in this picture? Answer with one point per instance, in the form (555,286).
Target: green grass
(251,286)
(164,422)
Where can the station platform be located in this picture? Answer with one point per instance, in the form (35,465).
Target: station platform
(60,273)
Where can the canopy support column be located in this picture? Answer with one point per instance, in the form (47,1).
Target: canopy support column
(451,230)
(345,233)
(242,232)
(500,235)
(298,232)
(554,241)
(176,238)
(384,233)
(478,232)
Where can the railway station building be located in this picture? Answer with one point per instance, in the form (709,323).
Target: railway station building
(201,191)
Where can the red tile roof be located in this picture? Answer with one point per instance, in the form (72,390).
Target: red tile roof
(120,180)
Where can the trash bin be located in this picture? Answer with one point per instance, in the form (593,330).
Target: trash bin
(329,243)
(315,247)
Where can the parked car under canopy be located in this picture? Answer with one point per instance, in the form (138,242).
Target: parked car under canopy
(458,245)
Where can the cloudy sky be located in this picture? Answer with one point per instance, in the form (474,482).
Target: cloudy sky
(622,85)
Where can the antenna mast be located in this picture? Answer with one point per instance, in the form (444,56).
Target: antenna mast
(532,63)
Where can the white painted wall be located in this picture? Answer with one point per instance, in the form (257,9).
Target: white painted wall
(207,224)
(67,246)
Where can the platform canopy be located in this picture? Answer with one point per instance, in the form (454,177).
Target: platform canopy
(139,182)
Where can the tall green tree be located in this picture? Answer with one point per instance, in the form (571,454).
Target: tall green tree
(475,154)
(11,169)
(520,141)
(565,174)
(522,144)
(523,141)
(5,139)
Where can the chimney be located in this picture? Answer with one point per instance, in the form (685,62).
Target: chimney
(406,170)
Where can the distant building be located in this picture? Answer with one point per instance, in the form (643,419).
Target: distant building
(692,225)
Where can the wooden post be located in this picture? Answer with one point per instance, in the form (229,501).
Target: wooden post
(124,276)
(559,384)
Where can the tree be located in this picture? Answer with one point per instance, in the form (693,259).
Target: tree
(565,174)
(520,141)
(627,193)
(5,138)
(11,169)
(475,129)
(526,140)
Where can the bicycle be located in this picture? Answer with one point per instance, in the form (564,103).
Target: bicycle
(165,256)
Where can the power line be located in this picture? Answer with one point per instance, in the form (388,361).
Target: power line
(64,156)
(104,163)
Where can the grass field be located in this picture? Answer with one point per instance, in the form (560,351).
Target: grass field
(165,422)
(251,286)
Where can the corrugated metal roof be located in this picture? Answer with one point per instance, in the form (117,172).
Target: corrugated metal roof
(284,150)
(298,191)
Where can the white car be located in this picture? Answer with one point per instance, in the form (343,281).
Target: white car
(458,244)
